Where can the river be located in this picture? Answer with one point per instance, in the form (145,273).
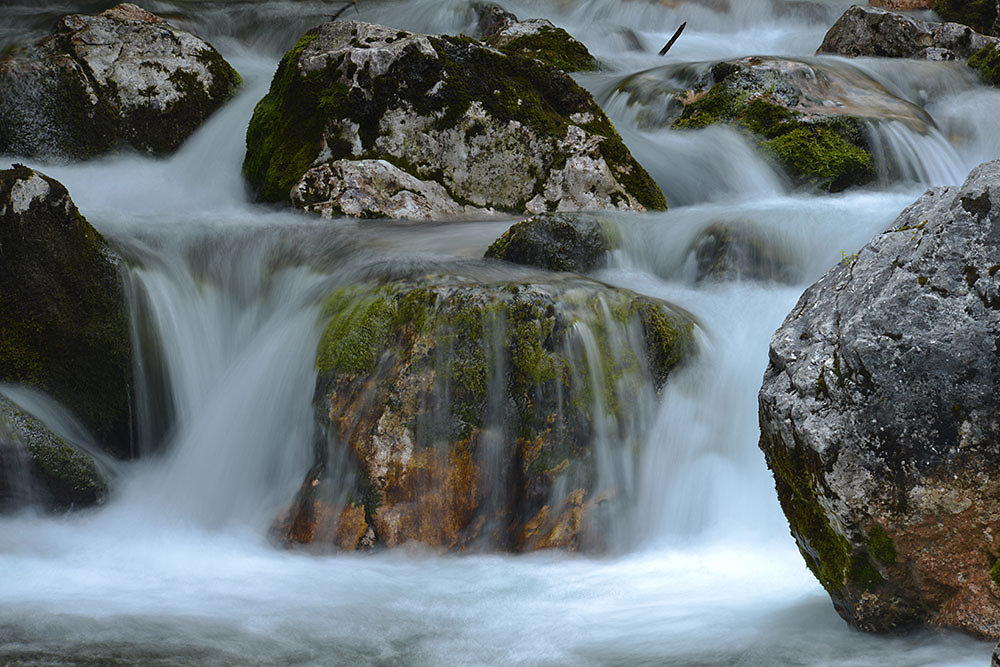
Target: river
(177,569)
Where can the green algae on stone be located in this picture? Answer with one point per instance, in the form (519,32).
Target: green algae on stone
(987,62)
(980,15)
(551,45)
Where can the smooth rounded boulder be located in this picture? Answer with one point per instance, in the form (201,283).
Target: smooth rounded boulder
(878,417)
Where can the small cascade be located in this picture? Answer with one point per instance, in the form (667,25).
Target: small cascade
(903,155)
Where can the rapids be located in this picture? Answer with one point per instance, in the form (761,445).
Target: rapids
(177,567)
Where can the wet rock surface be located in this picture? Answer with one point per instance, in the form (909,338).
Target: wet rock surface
(473,415)
(124,77)
(736,251)
(372,121)
(556,241)
(867,31)
(63,322)
(878,418)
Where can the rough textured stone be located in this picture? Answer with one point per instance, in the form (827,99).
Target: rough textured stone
(435,127)
(808,117)
(865,31)
(902,5)
(39,468)
(981,15)
(63,323)
(987,63)
(474,413)
(123,77)
(556,241)
(878,417)
(535,38)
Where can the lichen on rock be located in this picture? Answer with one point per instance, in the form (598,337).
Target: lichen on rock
(367,120)
(473,412)
(878,418)
(63,322)
(122,77)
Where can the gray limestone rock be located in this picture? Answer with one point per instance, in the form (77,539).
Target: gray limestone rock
(879,418)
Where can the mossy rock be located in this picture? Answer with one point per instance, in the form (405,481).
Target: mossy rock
(986,61)
(54,474)
(820,150)
(557,242)
(63,322)
(450,126)
(473,411)
(539,39)
(980,15)
(121,78)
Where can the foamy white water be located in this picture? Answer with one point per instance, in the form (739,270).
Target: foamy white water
(177,567)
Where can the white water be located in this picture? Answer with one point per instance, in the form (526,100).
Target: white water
(177,567)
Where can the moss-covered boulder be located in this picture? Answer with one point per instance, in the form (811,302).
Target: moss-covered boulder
(980,15)
(878,417)
(535,38)
(124,77)
(484,415)
(63,322)
(557,241)
(866,31)
(809,118)
(370,121)
(38,468)
(987,63)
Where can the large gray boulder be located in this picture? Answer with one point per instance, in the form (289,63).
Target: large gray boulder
(481,414)
(63,321)
(867,31)
(878,417)
(122,77)
(371,121)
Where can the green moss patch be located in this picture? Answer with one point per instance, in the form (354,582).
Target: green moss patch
(987,62)
(553,46)
(979,15)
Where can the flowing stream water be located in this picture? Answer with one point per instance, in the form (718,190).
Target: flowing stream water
(177,567)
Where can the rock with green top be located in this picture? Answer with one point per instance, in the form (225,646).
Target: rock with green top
(124,77)
(980,15)
(369,121)
(63,321)
(878,417)
(577,242)
(39,468)
(535,38)
(475,414)
(987,63)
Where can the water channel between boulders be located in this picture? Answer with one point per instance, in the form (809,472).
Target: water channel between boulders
(177,566)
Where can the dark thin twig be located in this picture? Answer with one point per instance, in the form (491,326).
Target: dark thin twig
(673,39)
(334,17)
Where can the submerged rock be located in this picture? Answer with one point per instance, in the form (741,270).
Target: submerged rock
(122,77)
(810,118)
(866,31)
(63,322)
(736,251)
(556,241)
(375,122)
(477,415)
(39,468)
(878,418)
(534,38)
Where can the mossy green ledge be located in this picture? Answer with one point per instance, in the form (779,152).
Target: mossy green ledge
(63,320)
(370,121)
(541,40)
(780,103)
(475,412)
(986,61)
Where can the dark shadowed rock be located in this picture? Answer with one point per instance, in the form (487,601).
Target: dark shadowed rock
(556,241)
(987,63)
(981,15)
(737,251)
(473,414)
(371,121)
(63,323)
(866,31)
(122,77)
(878,418)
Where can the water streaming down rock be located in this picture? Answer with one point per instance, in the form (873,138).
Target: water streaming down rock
(714,557)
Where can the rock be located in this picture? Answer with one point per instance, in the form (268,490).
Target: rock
(902,5)
(981,15)
(810,118)
(557,242)
(122,77)
(736,251)
(371,121)
(63,322)
(38,467)
(534,38)
(987,63)
(865,31)
(472,413)
(995,658)
(878,418)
